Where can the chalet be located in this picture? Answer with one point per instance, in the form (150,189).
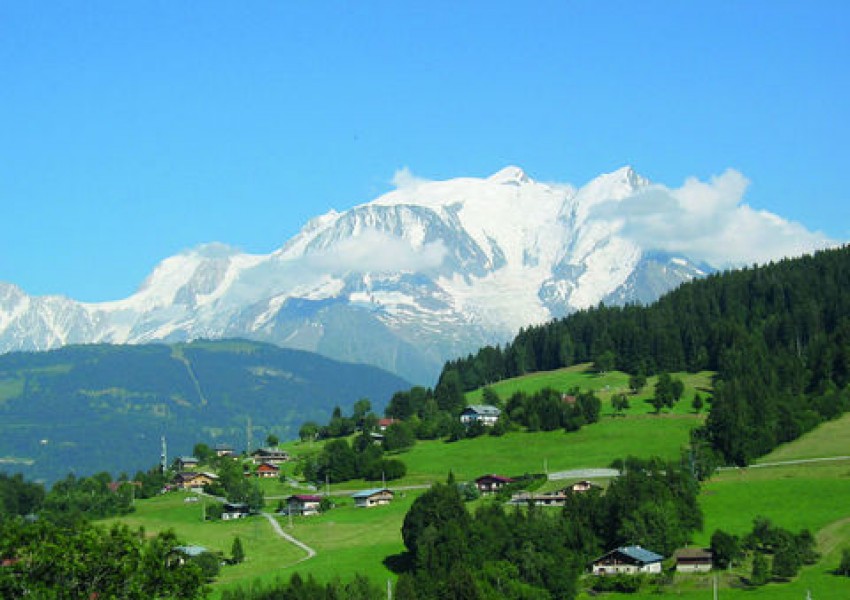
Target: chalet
(628,560)
(267,470)
(269,455)
(480,413)
(224,450)
(189,480)
(235,510)
(303,504)
(693,560)
(386,422)
(490,484)
(374,497)
(377,438)
(186,463)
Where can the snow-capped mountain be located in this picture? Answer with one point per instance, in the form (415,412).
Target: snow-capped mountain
(429,271)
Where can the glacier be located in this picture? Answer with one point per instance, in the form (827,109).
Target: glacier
(427,272)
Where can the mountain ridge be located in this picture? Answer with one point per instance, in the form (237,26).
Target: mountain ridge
(427,272)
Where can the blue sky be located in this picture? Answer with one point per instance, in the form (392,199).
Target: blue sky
(130,131)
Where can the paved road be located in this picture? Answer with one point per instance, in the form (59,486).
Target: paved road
(583,474)
(279,530)
(782,463)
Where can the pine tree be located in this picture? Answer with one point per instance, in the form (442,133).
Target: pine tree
(237,553)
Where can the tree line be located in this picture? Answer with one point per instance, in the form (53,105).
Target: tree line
(533,552)
(777,335)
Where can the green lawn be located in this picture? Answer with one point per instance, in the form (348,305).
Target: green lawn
(604,385)
(264,551)
(829,439)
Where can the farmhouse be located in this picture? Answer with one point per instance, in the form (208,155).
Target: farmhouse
(303,504)
(693,560)
(629,560)
(490,484)
(373,497)
(480,413)
(189,480)
(266,470)
(269,455)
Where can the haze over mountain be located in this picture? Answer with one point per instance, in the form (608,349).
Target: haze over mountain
(431,270)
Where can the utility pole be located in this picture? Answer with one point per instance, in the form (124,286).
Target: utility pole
(248,434)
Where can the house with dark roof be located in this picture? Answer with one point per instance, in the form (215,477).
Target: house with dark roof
(273,456)
(693,560)
(480,413)
(628,560)
(303,504)
(224,450)
(235,510)
(373,497)
(187,463)
(490,484)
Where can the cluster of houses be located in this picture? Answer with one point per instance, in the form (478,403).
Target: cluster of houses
(635,560)
(309,504)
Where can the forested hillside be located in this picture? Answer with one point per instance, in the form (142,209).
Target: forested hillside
(777,335)
(100,407)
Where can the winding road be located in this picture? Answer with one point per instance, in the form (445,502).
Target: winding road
(279,530)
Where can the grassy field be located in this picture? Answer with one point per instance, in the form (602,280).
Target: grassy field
(604,385)
(264,551)
(829,439)
(350,540)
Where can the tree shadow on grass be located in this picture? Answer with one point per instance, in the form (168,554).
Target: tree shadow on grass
(399,563)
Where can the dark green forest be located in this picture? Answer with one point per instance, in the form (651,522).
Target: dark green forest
(91,408)
(777,335)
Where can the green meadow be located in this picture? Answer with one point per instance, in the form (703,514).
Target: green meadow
(350,540)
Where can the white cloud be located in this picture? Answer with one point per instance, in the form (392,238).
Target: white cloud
(404,178)
(709,222)
(377,251)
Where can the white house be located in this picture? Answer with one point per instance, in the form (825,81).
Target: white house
(374,497)
(480,413)
(628,560)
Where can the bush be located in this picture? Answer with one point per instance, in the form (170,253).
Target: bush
(624,584)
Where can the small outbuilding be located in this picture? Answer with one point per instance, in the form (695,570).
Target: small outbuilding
(693,560)
(628,560)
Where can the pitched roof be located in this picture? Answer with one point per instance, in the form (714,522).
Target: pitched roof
(191,550)
(483,409)
(305,498)
(693,553)
(636,553)
(368,493)
(499,478)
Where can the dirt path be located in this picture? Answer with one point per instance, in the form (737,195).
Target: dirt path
(279,531)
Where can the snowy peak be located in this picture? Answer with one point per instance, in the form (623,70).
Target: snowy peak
(509,176)
(422,274)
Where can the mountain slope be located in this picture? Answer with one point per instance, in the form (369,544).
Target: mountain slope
(103,407)
(427,272)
